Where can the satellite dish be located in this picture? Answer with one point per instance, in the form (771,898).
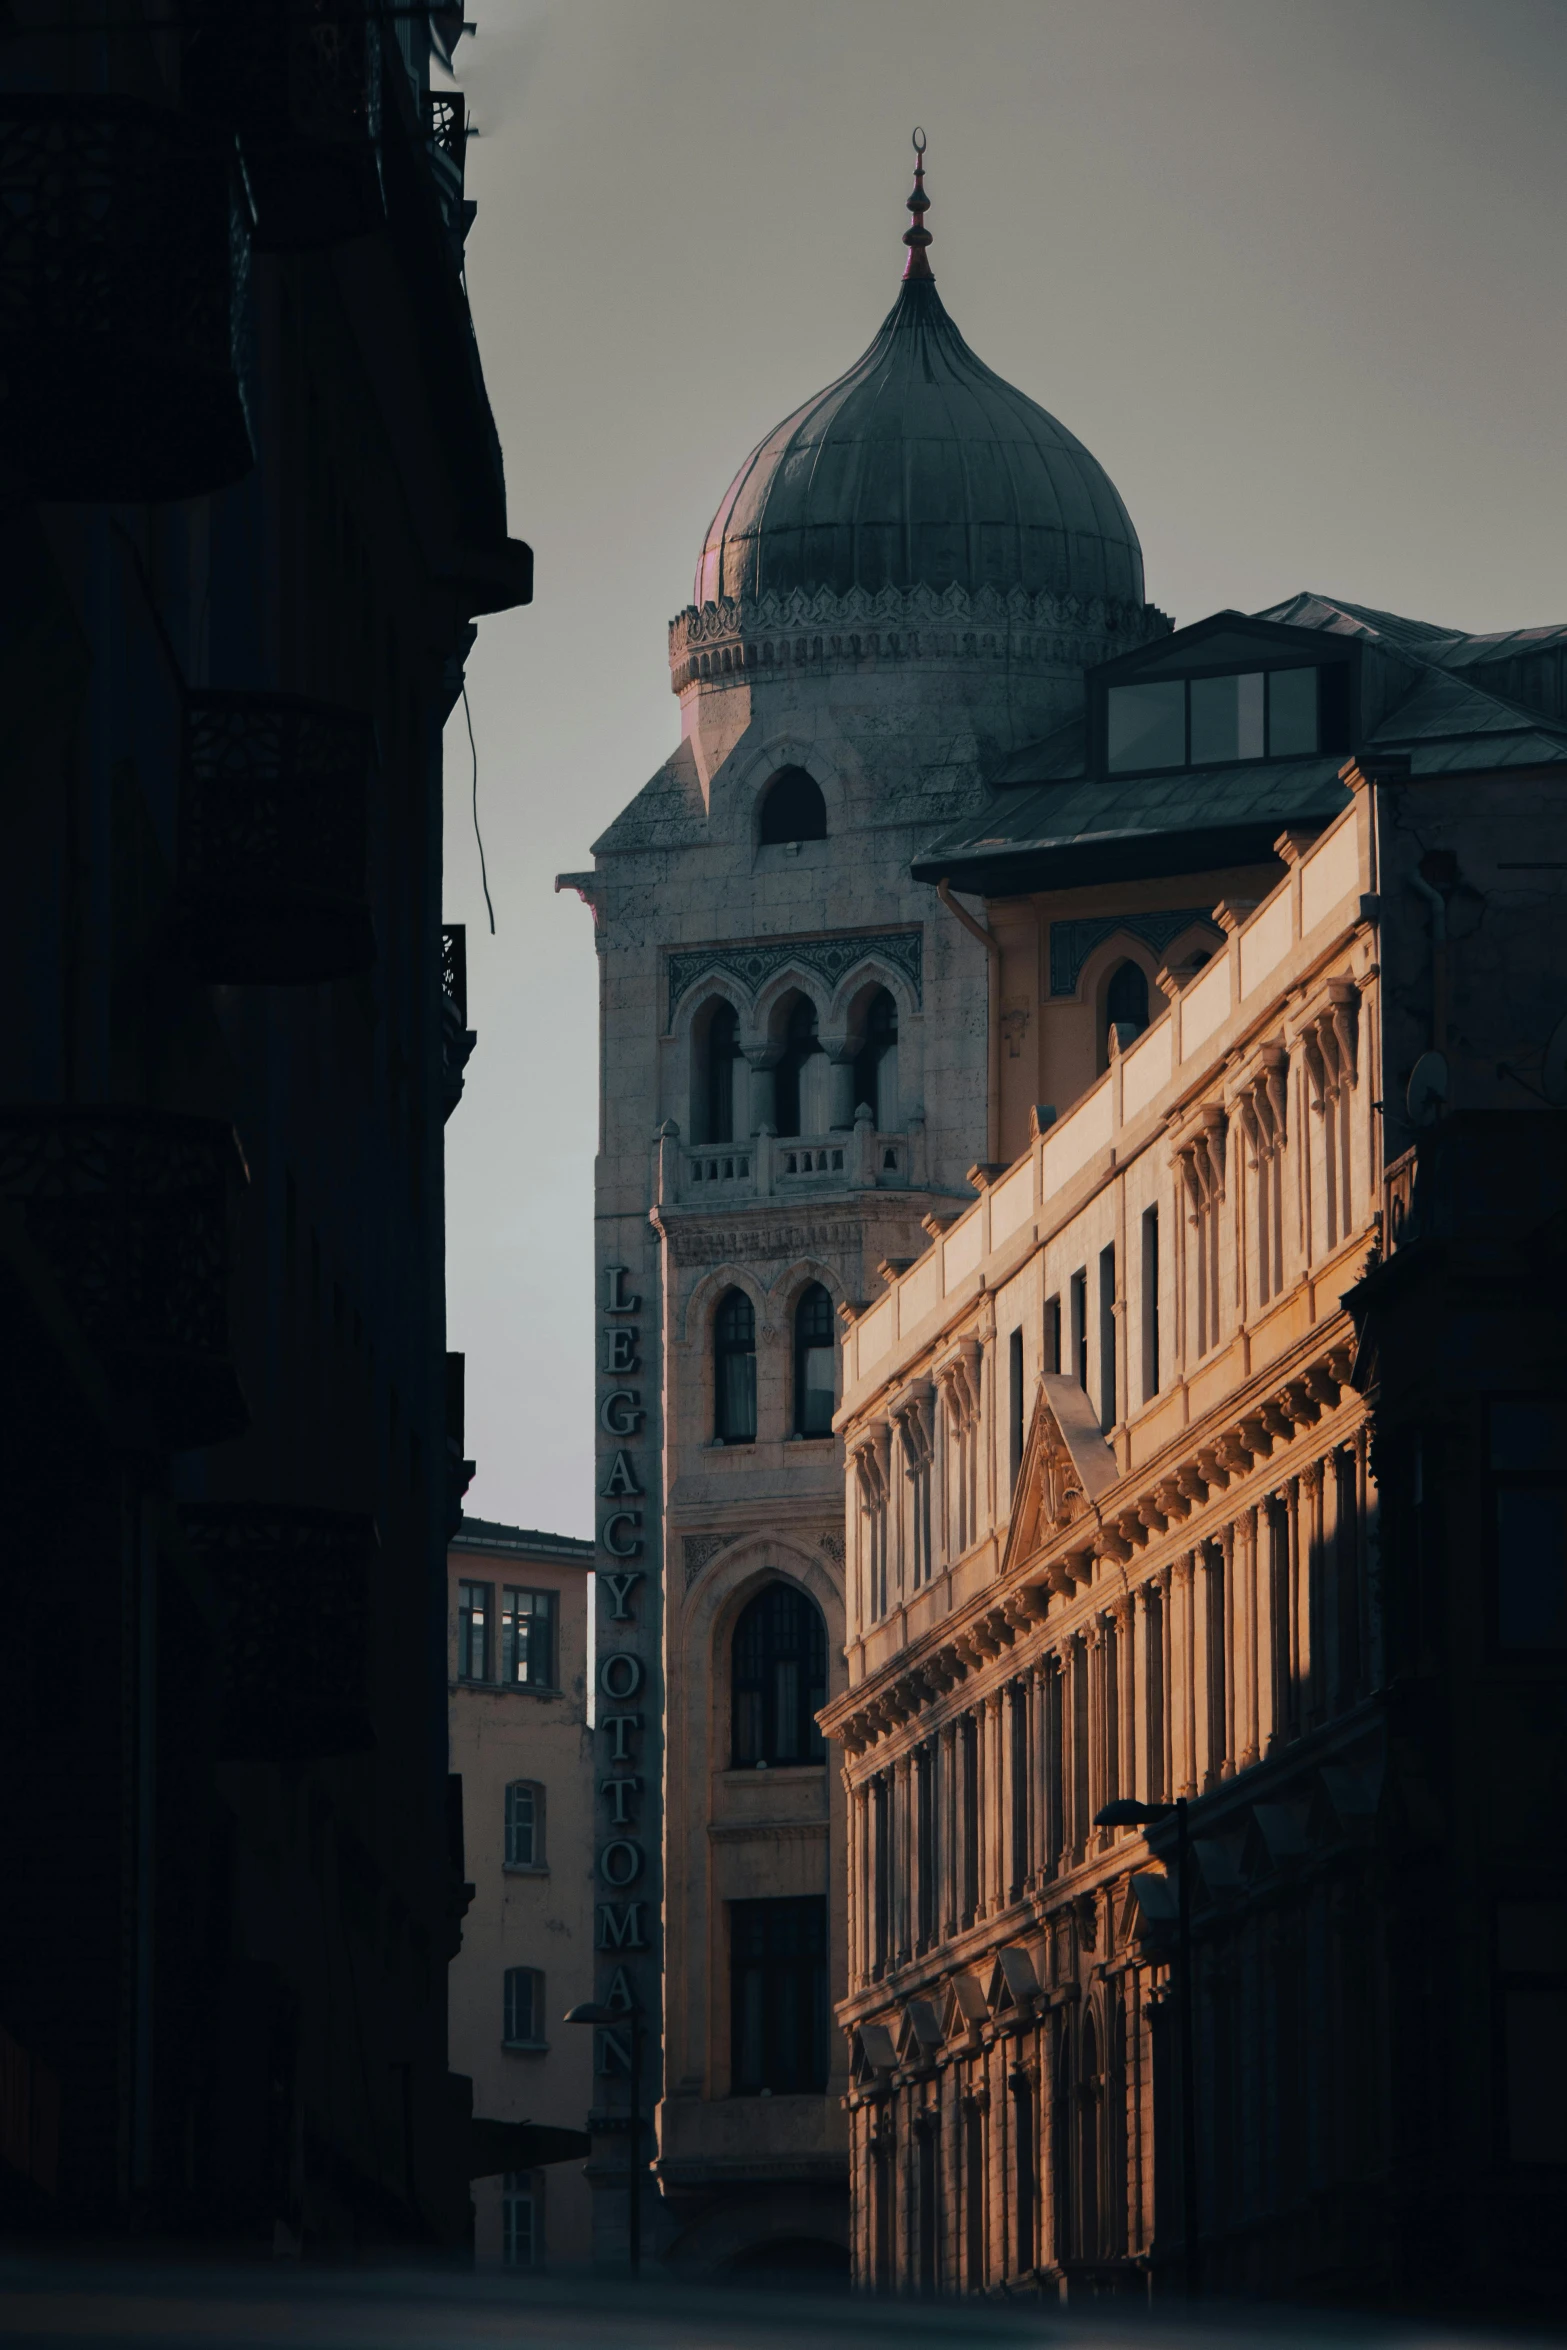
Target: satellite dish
(1553,1067)
(1427,1094)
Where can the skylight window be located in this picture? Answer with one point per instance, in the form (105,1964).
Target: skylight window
(1212,721)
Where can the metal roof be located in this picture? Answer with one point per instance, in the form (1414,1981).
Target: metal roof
(490,1534)
(921,467)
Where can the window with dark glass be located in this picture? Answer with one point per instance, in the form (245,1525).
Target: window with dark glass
(1216,721)
(723,1062)
(473,1631)
(1527,1458)
(523,2007)
(793,809)
(876,1063)
(528,1638)
(778,1680)
(815,1363)
(1126,1006)
(734,1369)
(521,2246)
(524,1825)
(799,1079)
(778,1996)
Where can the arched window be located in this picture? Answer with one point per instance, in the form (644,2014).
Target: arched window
(793,809)
(721,1068)
(800,1081)
(778,1672)
(815,1363)
(734,1369)
(876,1064)
(1126,1007)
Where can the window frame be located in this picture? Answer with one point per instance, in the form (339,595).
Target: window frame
(535,2044)
(800,1975)
(549,1616)
(519,2188)
(537,1865)
(722,1349)
(465,1585)
(802,1347)
(812,1672)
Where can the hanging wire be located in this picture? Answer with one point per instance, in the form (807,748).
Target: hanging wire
(477,834)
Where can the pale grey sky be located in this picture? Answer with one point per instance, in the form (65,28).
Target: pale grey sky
(1291,268)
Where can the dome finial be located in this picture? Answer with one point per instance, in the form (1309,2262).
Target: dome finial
(918,237)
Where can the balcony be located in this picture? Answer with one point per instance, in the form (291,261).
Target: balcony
(457,1038)
(295,1584)
(300,82)
(130,1210)
(767,1166)
(273,802)
(124,270)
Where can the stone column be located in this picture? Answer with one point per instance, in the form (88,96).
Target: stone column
(947,1815)
(1248,1736)
(1183,1685)
(1128,1696)
(840,1084)
(1229,1714)
(1308,1539)
(992,1810)
(901,1936)
(764,1112)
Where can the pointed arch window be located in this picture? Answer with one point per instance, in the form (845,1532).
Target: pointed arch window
(800,1083)
(794,809)
(720,1072)
(1126,1007)
(734,1369)
(778,1680)
(876,1063)
(815,1363)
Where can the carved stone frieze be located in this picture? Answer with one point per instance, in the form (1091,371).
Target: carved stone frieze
(752,962)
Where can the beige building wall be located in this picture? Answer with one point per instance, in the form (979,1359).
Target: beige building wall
(521,1719)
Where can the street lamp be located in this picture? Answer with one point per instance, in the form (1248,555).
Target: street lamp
(590,2011)
(1127,1812)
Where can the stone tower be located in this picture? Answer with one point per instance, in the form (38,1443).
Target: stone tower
(903,585)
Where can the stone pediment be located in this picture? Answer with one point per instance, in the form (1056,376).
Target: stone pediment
(1066,1466)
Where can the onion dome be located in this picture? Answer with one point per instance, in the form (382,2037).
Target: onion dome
(921,467)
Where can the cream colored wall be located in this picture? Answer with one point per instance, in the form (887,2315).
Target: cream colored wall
(542,1919)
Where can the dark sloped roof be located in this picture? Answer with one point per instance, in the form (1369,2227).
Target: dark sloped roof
(921,467)
(1435,705)
(491,1534)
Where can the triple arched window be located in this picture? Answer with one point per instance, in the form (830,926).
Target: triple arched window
(778,1680)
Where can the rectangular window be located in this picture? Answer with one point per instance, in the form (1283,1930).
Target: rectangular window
(1217,721)
(1078,1296)
(523,2007)
(1227,718)
(778,1996)
(521,2245)
(1107,1363)
(1150,1230)
(1015,1401)
(1145,726)
(528,1638)
(473,1631)
(524,1825)
(1052,1334)
(1527,1452)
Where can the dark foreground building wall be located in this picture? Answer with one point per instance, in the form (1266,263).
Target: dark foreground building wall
(252,503)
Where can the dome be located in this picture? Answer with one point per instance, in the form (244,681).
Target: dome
(921,467)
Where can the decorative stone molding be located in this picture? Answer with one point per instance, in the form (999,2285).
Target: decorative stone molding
(698,1549)
(777,635)
(753,962)
(1071,943)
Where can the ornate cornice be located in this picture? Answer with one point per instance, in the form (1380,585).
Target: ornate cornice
(774,634)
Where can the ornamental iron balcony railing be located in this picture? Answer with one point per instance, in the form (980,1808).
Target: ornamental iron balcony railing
(446,129)
(295,1587)
(300,81)
(274,797)
(124,277)
(457,1038)
(131,1211)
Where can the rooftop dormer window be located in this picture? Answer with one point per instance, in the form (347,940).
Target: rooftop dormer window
(1216,721)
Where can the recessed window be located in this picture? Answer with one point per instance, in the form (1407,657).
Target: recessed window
(815,1363)
(474,1615)
(793,809)
(521,2235)
(524,1825)
(778,1676)
(721,1066)
(734,1369)
(778,1990)
(800,1082)
(1217,721)
(528,1638)
(876,1063)
(523,2007)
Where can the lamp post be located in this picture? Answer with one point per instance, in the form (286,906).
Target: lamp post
(590,2011)
(1129,1813)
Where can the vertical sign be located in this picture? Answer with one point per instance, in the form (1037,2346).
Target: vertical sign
(626,1695)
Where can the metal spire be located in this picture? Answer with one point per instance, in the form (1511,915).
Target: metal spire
(918,237)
